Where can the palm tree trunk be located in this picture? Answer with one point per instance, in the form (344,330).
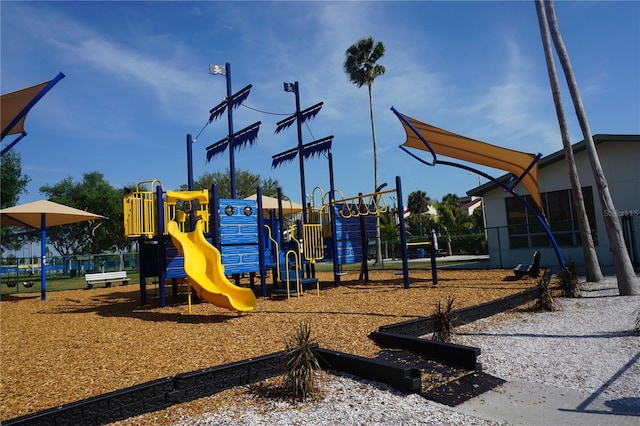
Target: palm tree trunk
(628,283)
(592,266)
(375,174)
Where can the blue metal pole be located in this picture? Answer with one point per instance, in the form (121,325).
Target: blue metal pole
(162,248)
(43,253)
(261,258)
(192,216)
(332,218)
(189,162)
(403,236)
(300,158)
(280,220)
(232,165)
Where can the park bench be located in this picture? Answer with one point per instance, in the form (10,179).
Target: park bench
(532,269)
(106,278)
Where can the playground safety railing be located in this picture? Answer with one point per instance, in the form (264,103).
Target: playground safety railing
(139,211)
(173,212)
(312,243)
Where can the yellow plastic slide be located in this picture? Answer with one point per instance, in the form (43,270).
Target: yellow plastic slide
(202,263)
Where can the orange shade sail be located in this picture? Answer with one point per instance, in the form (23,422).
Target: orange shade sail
(11,104)
(522,165)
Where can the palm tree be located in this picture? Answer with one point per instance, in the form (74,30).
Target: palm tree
(362,69)
(418,205)
(628,283)
(593,271)
(452,219)
(390,233)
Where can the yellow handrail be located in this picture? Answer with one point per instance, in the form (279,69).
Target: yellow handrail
(297,263)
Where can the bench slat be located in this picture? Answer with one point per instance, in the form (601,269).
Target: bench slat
(106,277)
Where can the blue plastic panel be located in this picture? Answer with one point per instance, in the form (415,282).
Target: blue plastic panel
(241,258)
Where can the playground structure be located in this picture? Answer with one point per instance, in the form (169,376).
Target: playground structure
(196,238)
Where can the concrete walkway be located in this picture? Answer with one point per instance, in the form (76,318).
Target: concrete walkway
(524,403)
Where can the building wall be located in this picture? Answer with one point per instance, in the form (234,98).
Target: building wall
(621,165)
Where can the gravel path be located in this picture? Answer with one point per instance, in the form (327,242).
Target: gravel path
(588,345)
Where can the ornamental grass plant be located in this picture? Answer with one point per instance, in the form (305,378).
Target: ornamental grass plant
(299,380)
(569,282)
(545,300)
(444,320)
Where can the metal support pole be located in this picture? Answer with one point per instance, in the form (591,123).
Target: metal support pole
(403,235)
(232,165)
(332,218)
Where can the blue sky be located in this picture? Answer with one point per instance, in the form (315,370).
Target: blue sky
(137,82)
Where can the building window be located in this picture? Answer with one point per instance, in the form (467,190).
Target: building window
(526,232)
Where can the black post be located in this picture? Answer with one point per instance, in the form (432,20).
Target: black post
(403,235)
(434,248)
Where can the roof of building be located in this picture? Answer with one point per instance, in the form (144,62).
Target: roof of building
(555,157)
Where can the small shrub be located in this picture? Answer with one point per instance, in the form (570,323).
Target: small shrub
(545,300)
(637,325)
(569,283)
(299,379)
(444,321)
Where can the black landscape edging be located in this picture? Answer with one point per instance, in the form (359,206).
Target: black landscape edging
(185,387)
(157,394)
(162,393)
(405,379)
(425,325)
(445,353)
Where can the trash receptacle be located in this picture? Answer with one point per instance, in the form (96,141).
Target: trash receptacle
(420,253)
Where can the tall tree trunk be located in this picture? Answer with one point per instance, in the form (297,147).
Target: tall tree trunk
(593,271)
(375,173)
(628,283)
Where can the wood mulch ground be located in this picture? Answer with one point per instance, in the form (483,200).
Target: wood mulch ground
(82,343)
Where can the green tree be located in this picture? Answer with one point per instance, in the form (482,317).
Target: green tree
(390,233)
(362,68)
(13,181)
(452,219)
(418,205)
(12,184)
(246,184)
(96,195)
